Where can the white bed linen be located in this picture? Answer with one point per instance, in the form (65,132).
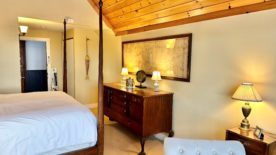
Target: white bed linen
(36,123)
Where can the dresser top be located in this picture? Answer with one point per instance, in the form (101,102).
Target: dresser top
(268,138)
(145,92)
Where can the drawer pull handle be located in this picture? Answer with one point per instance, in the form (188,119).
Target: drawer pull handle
(124,111)
(246,144)
(124,103)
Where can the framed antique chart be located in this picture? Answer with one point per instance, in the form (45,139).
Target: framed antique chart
(171,55)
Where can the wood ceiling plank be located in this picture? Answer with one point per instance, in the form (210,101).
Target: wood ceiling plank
(119,5)
(217,14)
(108,3)
(95,7)
(244,2)
(133,7)
(153,22)
(195,12)
(225,6)
(150,9)
(168,12)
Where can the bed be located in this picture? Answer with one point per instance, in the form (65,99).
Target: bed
(44,123)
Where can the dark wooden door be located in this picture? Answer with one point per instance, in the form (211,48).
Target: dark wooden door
(22,44)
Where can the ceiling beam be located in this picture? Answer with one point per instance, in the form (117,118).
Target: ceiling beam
(218,14)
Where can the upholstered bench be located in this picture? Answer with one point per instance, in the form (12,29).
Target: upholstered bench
(177,146)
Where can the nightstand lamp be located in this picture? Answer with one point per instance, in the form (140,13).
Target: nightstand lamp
(124,74)
(247,93)
(156,77)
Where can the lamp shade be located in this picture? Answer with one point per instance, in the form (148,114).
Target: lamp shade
(156,75)
(23,29)
(247,92)
(124,71)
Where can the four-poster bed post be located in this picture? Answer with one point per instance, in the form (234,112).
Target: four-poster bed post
(99,148)
(64,58)
(100,85)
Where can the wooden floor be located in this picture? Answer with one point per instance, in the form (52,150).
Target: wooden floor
(119,141)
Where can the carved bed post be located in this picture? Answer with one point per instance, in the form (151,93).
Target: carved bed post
(100,85)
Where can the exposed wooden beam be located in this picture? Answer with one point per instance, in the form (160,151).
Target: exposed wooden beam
(236,9)
(96,8)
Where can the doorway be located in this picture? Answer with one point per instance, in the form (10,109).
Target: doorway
(35,64)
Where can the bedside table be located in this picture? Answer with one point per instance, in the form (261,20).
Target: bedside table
(253,145)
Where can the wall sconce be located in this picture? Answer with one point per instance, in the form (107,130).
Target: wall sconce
(23,30)
(156,77)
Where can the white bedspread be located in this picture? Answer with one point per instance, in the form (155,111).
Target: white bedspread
(34,123)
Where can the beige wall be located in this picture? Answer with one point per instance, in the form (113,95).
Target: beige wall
(87,90)
(56,48)
(9,54)
(112,57)
(225,52)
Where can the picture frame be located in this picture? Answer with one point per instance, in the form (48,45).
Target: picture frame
(258,132)
(171,55)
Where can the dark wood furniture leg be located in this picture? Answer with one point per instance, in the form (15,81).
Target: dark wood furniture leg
(142,142)
(171,133)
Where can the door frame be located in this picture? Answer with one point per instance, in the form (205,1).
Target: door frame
(49,69)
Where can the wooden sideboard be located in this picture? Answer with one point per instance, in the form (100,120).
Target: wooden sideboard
(142,111)
(253,145)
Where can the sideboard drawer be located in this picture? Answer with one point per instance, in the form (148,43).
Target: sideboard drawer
(125,121)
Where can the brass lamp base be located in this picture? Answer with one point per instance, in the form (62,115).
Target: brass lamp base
(246,110)
(245,124)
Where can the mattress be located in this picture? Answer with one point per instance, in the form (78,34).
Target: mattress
(43,122)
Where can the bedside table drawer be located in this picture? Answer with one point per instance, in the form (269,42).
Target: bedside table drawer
(252,147)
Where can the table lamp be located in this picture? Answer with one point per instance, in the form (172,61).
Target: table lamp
(124,74)
(156,77)
(246,92)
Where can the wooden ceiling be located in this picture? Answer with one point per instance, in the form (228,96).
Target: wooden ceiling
(132,16)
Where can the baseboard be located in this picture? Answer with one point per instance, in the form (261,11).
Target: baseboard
(91,105)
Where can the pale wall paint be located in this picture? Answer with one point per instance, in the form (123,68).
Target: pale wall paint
(9,54)
(225,52)
(56,48)
(87,90)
